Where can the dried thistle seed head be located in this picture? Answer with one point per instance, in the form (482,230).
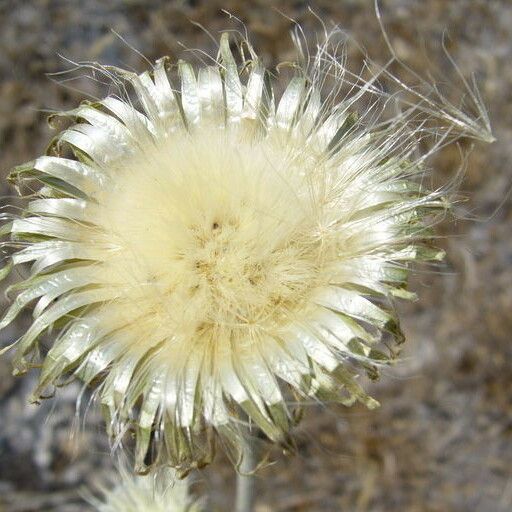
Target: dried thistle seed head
(159,491)
(210,253)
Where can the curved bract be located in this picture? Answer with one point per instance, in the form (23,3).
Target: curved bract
(210,254)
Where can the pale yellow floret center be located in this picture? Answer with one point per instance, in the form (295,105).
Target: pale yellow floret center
(212,234)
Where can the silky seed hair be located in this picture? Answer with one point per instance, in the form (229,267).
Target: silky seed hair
(158,491)
(208,254)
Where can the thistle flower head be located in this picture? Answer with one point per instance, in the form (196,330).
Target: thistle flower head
(155,492)
(214,251)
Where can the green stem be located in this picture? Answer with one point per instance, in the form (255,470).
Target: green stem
(245,480)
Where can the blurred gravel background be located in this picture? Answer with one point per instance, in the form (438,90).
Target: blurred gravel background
(442,440)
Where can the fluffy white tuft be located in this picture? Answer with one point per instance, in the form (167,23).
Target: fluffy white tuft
(210,254)
(156,492)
